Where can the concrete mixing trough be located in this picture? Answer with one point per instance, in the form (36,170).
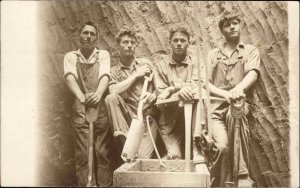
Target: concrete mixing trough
(148,173)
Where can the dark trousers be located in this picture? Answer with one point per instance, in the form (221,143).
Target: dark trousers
(103,140)
(223,128)
(171,123)
(120,115)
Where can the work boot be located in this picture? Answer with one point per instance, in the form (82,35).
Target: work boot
(245,181)
(197,156)
(173,148)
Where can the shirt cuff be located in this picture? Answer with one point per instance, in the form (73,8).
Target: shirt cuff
(112,82)
(70,73)
(105,74)
(178,87)
(255,70)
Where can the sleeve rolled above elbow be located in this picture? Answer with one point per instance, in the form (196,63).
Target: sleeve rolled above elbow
(253,62)
(70,65)
(104,67)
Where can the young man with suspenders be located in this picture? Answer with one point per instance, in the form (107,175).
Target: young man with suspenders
(233,69)
(87,73)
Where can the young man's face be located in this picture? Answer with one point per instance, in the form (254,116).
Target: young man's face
(88,37)
(179,43)
(127,45)
(231,29)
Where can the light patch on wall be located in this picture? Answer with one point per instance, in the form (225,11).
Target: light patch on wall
(293,10)
(18,93)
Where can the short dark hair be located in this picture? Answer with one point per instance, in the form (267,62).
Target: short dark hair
(181,29)
(90,24)
(226,17)
(125,31)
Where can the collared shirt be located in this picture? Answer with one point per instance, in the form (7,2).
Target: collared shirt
(120,73)
(169,73)
(226,72)
(72,58)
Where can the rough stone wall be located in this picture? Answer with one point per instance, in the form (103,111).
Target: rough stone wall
(265,26)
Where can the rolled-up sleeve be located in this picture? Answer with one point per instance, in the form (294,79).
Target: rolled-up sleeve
(113,80)
(70,65)
(210,67)
(159,78)
(253,61)
(113,76)
(195,67)
(104,60)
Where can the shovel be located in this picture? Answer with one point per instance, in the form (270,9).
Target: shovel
(91,115)
(237,108)
(137,128)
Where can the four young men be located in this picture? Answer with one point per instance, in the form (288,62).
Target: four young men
(233,69)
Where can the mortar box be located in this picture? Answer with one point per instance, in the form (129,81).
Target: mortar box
(149,173)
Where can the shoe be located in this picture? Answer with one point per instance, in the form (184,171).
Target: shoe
(245,182)
(197,156)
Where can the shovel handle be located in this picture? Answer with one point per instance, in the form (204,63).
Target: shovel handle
(188,109)
(91,115)
(144,90)
(90,154)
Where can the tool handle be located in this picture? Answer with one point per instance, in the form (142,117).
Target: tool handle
(237,108)
(136,130)
(144,90)
(188,108)
(90,154)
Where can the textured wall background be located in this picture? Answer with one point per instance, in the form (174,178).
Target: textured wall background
(265,26)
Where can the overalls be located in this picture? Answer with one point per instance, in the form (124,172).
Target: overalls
(88,82)
(227,76)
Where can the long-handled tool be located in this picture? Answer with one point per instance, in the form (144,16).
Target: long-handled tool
(188,107)
(91,115)
(201,131)
(237,108)
(207,134)
(199,121)
(137,128)
(199,124)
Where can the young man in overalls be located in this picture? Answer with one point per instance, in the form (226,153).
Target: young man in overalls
(125,94)
(176,74)
(233,69)
(86,73)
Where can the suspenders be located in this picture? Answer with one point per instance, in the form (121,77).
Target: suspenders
(218,60)
(83,72)
(97,57)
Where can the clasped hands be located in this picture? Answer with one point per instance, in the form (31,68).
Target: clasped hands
(90,99)
(143,71)
(234,94)
(148,98)
(186,93)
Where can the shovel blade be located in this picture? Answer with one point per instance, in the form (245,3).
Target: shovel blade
(133,140)
(91,114)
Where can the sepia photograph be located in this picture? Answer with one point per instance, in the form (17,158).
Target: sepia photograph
(149,93)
